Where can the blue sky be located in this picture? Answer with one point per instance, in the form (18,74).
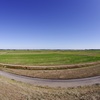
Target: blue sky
(49,24)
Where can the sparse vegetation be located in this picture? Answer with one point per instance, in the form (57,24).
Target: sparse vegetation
(59,74)
(12,90)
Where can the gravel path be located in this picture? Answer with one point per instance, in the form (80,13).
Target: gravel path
(51,82)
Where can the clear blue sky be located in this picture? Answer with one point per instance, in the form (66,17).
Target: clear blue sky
(49,24)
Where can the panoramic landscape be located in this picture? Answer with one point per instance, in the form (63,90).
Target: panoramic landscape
(53,64)
(49,50)
(50,74)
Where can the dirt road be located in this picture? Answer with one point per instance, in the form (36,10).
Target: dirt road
(53,83)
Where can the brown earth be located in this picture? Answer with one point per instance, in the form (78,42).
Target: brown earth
(59,74)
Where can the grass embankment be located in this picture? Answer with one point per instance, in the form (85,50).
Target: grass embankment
(55,64)
(12,90)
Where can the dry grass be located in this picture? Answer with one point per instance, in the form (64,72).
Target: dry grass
(57,67)
(12,90)
(59,74)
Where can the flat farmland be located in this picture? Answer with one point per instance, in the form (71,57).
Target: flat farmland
(51,64)
(48,57)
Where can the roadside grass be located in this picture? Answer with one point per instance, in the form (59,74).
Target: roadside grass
(13,90)
(48,57)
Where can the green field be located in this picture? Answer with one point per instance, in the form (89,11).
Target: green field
(48,57)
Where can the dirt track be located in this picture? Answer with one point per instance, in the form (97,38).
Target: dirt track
(53,83)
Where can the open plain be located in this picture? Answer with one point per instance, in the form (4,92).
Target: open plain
(49,64)
(53,64)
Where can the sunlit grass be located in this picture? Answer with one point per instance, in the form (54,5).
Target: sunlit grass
(48,57)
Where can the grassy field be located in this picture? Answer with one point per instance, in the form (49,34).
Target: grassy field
(48,57)
(54,64)
(13,90)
